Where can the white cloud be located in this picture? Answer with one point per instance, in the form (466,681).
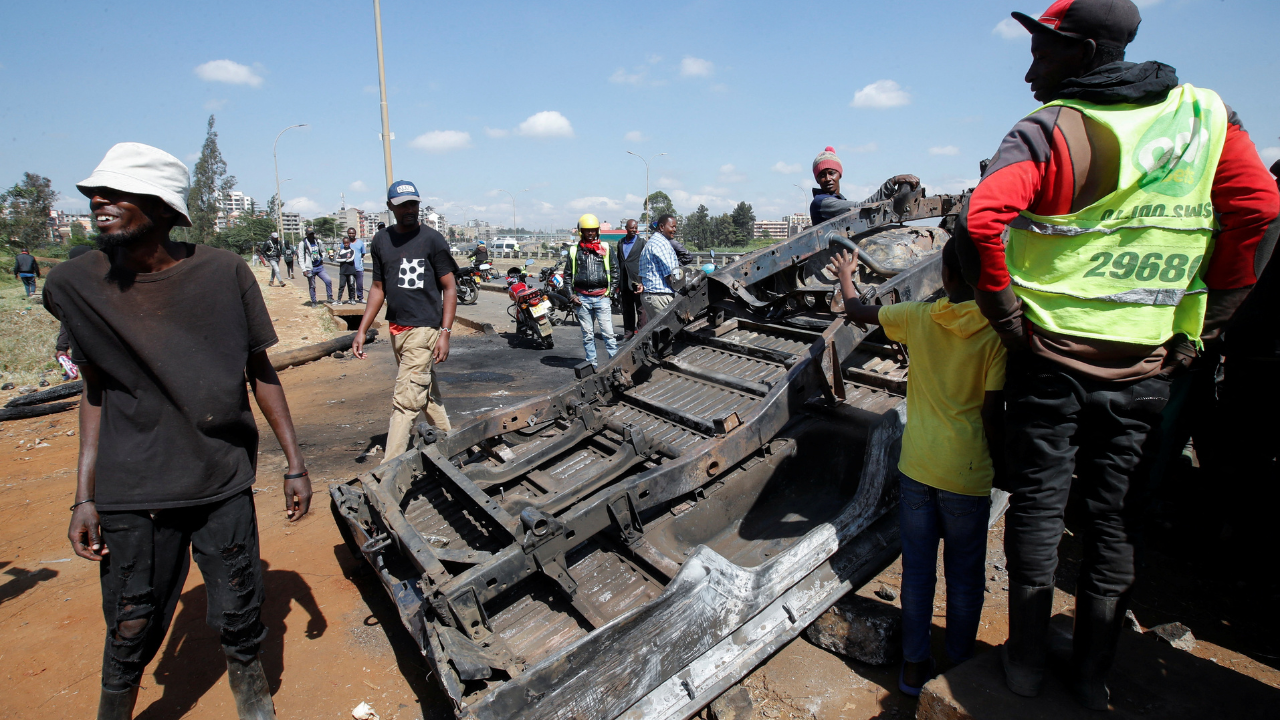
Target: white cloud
(691,201)
(669,182)
(950,185)
(496,132)
(867,148)
(303,205)
(622,77)
(651,59)
(1269,155)
(944,150)
(635,136)
(589,203)
(358,186)
(1009,29)
(713,190)
(730,174)
(192,157)
(214,104)
(438,141)
(372,206)
(881,94)
(696,67)
(546,124)
(228,71)
(787,168)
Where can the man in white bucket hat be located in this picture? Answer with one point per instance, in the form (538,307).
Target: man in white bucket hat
(164,334)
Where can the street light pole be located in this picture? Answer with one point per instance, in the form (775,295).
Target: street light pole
(646,177)
(280,200)
(382,87)
(514,233)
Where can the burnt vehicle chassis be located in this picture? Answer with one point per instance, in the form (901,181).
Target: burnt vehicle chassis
(636,542)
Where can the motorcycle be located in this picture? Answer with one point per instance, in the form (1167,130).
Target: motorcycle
(469,283)
(530,309)
(553,287)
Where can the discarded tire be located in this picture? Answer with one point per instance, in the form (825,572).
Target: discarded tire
(59,392)
(20,413)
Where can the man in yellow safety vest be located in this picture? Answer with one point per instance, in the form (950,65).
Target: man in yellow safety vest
(1136,211)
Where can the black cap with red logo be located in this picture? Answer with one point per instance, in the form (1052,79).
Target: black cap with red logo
(1106,22)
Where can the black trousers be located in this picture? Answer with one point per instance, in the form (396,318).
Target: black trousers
(348,281)
(1059,423)
(631,310)
(289,264)
(142,578)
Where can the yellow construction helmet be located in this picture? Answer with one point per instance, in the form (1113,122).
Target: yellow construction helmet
(588,222)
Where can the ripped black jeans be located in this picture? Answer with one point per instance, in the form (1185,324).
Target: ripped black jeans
(143,575)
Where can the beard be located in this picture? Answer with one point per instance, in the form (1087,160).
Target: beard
(110,241)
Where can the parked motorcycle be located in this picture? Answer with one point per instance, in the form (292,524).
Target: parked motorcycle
(553,286)
(530,308)
(469,279)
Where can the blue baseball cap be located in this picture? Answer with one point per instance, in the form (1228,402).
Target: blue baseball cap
(402,191)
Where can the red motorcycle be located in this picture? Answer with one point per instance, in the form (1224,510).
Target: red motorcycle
(530,308)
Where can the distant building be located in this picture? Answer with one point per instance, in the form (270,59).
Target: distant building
(775,229)
(292,222)
(797,223)
(349,218)
(236,202)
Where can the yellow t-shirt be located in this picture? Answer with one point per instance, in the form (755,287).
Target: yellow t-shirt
(955,358)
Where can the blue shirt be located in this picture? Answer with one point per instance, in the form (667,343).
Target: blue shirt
(657,261)
(358,246)
(625,245)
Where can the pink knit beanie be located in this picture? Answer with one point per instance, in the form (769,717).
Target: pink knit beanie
(827,159)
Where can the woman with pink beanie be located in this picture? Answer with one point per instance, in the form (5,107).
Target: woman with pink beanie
(827,200)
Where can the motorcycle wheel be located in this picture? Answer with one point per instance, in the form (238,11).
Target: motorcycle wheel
(467,293)
(548,342)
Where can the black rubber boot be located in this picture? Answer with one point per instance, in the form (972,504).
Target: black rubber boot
(249,686)
(1025,652)
(117,704)
(1097,631)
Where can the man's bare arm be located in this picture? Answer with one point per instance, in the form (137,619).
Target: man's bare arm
(376,297)
(843,266)
(85,533)
(275,408)
(450,288)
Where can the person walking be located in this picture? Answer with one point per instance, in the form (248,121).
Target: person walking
(26,269)
(827,200)
(358,250)
(165,334)
(271,252)
(346,272)
(658,262)
(311,257)
(413,274)
(1132,207)
(287,249)
(628,252)
(592,268)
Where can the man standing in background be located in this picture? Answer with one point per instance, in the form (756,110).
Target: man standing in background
(592,272)
(358,249)
(311,256)
(271,252)
(658,262)
(629,249)
(27,269)
(413,273)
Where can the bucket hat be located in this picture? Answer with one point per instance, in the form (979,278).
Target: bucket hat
(143,170)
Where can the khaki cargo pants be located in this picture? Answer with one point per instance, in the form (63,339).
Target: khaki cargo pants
(416,388)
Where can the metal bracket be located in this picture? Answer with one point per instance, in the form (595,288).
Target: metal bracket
(626,516)
(468,613)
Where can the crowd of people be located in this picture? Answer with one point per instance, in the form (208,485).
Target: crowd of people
(1105,257)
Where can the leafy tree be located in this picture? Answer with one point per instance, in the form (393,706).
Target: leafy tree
(208,182)
(744,220)
(659,203)
(697,228)
(78,235)
(247,235)
(24,221)
(272,205)
(325,227)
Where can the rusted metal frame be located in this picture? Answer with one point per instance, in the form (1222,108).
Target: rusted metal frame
(479,499)
(757,353)
(705,426)
(750,387)
(386,509)
(484,476)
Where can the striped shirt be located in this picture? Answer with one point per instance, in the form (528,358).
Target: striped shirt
(657,261)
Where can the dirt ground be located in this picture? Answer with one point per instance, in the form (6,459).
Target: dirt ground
(335,638)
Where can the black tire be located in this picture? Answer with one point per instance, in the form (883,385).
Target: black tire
(20,413)
(57,392)
(548,342)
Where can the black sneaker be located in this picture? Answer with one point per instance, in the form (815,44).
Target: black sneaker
(913,676)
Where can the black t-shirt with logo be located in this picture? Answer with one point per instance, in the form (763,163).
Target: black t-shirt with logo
(409,266)
(171,348)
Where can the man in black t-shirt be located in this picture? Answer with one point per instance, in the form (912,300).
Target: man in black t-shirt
(165,334)
(413,272)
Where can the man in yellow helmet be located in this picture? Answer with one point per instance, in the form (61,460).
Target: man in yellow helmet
(593,271)
(1116,231)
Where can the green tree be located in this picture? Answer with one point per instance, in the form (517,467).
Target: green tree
(744,221)
(247,235)
(24,221)
(697,228)
(209,181)
(78,235)
(659,204)
(325,227)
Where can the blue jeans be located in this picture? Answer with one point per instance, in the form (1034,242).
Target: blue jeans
(328,283)
(28,283)
(960,521)
(596,308)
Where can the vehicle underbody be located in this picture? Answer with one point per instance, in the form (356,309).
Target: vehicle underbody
(634,543)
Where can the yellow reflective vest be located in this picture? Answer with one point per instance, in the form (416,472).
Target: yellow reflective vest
(1127,268)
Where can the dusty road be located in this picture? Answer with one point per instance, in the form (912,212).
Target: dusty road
(335,639)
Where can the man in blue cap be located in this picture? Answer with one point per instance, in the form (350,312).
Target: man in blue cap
(413,273)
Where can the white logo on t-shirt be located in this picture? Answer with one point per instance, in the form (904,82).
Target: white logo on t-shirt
(412,274)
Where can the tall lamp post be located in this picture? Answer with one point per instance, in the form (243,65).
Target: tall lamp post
(276,159)
(646,177)
(513,210)
(382,88)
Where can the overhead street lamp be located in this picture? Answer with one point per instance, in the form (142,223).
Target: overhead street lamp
(646,177)
(514,227)
(276,159)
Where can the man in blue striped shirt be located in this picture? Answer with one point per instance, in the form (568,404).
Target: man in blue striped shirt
(657,262)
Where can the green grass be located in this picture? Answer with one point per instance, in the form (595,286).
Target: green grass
(27,335)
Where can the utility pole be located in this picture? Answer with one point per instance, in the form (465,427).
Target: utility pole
(280,200)
(646,179)
(513,211)
(382,86)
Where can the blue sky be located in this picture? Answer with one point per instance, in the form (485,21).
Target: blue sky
(550,96)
